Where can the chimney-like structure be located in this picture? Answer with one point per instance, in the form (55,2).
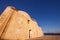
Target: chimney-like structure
(18,25)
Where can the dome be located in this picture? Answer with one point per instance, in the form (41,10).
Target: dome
(24,13)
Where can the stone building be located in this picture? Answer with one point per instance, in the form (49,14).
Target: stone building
(16,24)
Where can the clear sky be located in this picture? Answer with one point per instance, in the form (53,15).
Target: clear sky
(46,12)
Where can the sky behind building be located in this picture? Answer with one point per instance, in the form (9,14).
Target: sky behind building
(46,12)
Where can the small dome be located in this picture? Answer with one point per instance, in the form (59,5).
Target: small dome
(24,13)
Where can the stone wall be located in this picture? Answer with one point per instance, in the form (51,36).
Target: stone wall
(20,26)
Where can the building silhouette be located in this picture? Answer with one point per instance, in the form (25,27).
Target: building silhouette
(16,24)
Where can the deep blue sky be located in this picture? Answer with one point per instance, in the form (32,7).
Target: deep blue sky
(46,12)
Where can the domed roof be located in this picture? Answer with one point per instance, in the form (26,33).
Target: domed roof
(24,13)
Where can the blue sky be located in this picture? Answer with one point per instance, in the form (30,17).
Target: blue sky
(46,12)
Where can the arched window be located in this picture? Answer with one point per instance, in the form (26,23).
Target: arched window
(30,33)
(28,21)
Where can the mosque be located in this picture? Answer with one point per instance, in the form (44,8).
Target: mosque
(17,24)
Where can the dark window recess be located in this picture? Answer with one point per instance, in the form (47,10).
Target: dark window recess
(28,21)
(29,33)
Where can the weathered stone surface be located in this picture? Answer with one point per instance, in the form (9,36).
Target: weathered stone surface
(4,18)
(19,25)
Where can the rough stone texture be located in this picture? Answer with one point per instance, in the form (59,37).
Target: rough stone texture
(18,25)
(4,18)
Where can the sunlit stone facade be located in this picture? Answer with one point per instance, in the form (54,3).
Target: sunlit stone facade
(18,25)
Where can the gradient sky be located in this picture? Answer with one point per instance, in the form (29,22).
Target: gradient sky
(46,12)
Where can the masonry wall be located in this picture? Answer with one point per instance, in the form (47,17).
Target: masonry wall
(21,26)
(4,18)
